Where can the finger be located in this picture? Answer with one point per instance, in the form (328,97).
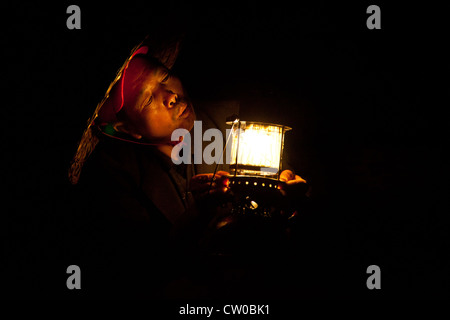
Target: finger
(223,181)
(297,180)
(202,177)
(287,175)
(209,186)
(214,194)
(222,173)
(217,191)
(221,178)
(204,182)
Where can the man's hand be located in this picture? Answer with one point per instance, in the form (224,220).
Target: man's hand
(294,192)
(290,178)
(206,188)
(295,185)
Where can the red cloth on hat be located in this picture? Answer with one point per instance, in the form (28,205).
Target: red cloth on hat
(115,101)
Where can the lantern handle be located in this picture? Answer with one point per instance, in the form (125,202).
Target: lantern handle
(235,120)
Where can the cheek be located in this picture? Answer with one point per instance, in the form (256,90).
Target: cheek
(158,123)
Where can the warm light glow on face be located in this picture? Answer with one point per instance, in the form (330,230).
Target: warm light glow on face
(259,146)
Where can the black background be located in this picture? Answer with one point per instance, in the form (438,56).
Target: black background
(368,108)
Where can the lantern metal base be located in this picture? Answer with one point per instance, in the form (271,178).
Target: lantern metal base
(257,220)
(255,195)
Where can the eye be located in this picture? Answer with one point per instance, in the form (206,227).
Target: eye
(164,80)
(149,101)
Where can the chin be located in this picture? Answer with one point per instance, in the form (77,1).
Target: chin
(191,125)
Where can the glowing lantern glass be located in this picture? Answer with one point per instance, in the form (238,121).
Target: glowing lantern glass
(257,149)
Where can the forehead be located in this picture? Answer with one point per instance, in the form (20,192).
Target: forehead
(148,73)
(174,83)
(149,69)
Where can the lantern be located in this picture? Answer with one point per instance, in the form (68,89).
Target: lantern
(255,164)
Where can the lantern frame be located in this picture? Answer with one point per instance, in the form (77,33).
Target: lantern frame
(255,191)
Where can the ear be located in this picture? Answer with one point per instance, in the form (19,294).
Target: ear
(122,127)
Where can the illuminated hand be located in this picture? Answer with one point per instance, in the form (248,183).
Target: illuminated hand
(203,190)
(294,192)
(295,184)
(290,178)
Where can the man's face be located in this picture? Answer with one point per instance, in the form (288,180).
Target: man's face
(154,101)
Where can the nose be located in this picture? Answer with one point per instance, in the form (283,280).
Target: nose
(170,99)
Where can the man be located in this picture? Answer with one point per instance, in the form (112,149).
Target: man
(138,217)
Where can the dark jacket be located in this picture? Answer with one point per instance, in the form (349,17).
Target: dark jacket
(129,213)
(132,221)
